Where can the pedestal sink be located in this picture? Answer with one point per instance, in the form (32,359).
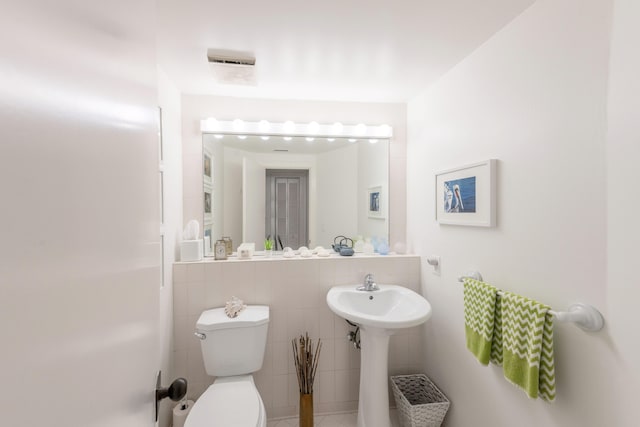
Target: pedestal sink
(379,313)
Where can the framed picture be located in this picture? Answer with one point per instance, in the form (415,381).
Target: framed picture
(207,202)
(374,202)
(467,195)
(207,171)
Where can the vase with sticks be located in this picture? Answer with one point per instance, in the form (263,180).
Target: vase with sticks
(306,358)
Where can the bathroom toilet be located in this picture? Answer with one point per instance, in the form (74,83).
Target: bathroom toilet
(232,349)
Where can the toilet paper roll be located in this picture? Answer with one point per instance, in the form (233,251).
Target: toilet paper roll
(180,415)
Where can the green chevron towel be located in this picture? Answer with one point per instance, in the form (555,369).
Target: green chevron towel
(496,343)
(527,334)
(479,312)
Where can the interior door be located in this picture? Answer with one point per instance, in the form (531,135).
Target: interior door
(79,287)
(287,207)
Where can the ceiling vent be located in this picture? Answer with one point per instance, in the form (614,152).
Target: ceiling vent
(232,67)
(231,60)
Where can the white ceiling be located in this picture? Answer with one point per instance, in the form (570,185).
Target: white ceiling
(348,50)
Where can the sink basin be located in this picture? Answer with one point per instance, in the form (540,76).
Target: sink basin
(390,307)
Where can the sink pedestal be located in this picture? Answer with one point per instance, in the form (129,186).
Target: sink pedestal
(373,405)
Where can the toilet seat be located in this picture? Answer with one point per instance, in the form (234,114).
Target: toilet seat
(228,403)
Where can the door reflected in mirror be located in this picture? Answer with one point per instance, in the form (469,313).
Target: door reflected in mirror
(298,191)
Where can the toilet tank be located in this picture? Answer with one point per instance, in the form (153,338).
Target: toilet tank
(233,346)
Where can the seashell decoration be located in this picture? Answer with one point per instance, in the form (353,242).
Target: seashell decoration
(234,307)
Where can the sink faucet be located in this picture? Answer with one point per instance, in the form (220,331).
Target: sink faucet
(369,284)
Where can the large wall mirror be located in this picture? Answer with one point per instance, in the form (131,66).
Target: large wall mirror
(300,190)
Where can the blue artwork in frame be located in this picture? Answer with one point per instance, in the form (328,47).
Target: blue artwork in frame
(460,195)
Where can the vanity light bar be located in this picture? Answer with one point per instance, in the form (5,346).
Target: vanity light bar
(313,129)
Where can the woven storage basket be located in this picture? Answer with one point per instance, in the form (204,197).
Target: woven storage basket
(419,402)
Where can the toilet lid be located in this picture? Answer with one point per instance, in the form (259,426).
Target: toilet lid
(226,404)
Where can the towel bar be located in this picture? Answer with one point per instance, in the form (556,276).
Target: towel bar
(585,316)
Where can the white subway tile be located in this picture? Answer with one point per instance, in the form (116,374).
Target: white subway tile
(195,295)
(179,273)
(280,390)
(180,299)
(195,272)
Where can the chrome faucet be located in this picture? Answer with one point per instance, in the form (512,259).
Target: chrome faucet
(369,284)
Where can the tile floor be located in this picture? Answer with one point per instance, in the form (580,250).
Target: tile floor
(337,420)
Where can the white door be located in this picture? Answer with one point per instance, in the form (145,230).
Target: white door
(79,269)
(287,207)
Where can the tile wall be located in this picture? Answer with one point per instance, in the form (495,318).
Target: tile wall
(295,290)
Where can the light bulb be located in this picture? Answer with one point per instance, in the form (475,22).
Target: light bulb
(242,136)
(360,129)
(264,138)
(352,140)
(309,139)
(264,126)
(212,124)
(238,124)
(337,128)
(289,126)
(373,141)
(218,136)
(313,128)
(287,138)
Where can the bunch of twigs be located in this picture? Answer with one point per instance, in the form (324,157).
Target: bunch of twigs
(306,360)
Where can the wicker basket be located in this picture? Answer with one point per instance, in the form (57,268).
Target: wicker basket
(419,402)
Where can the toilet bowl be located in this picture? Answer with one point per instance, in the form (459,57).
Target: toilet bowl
(229,402)
(232,349)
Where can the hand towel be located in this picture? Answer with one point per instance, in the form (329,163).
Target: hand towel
(479,313)
(496,343)
(527,334)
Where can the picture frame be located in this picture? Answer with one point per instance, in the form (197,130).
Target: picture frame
(207,167)
(375,202)
(208,203)
(466,195)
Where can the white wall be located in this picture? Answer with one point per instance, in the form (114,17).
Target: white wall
(80,277)
(253,197)
(169,101)
(337,183)
(198,107)
(534,97)
(623,205)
